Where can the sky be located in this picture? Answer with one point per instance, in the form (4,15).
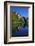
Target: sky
(23,11)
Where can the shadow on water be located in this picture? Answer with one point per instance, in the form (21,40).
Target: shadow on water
(21,32)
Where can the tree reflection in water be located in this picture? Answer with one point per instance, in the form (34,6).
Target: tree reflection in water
(19,25)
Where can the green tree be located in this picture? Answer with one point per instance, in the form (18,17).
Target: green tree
(16,21)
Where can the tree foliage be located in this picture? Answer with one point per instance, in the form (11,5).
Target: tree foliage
(17,22)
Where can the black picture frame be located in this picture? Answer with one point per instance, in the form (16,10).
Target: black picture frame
(5,22)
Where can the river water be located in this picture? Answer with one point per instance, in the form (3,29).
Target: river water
(22,32)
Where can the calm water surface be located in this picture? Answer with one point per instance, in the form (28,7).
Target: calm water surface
(22,32)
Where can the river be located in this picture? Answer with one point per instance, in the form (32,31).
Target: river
(22,32)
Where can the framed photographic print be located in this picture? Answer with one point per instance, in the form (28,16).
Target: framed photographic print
(18,22)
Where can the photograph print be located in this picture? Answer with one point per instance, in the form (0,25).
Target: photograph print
(18,22)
